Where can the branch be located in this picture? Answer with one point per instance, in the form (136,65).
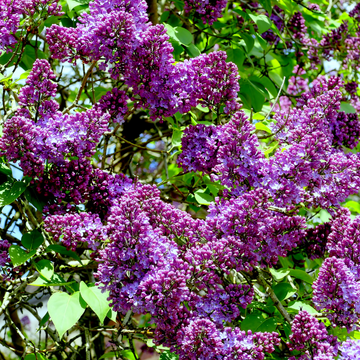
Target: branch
(262,281)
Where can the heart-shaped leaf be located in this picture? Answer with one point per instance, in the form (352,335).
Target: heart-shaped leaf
(65,310)
(18,256)
(96,299)
(32,240)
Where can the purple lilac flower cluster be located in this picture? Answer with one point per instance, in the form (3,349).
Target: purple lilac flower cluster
(141,54)
(75,228)
(336,293)
(350,350)
(316,239)
(4,254)
(11,12)
(228,152)
(305,168)
(260,234)
(297,26)
(209,10)
(277,17)
(115,103)
(310,337)
(52,147)
(164,259)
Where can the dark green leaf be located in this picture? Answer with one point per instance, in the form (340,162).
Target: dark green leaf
(10,191)
(32,240)
(73,4)
(249,41)
(35,198)
(184,36)
(56,280)
(176,138)
(44,320)
(236,56)
(192,50)
(65,310)
(269,325)
(302,275)
(62,250)
(252,321)
(283,291)
(267,6)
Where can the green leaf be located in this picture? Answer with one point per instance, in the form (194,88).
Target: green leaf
(193,51)
(268,85)
(73,4)
(353,206)
(266,5)
(249,41)
(263,127)
(263,22)
(112,315)
(236,56)
(176,138)
(96,299)
(269,325)
(10,191)
(37,356)
(108,355)
(252,321)
(45,268)
(44,320)
(5,170)
(32,240)
(65,310)
(62,250)
(167,355)
(184,36)
(29,56)
(127,354)
(299,305)
(278,275)
(56,280)
(283,291)
(18,256)
(34,198)
(171,33)
(24,75)
(202,198)
(302,275)
(347,108)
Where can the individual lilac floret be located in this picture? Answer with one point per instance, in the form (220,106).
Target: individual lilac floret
(209,10)
(350,350)
(71,229)
(310,337)
(115,103)
(39,84)
(336,293)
